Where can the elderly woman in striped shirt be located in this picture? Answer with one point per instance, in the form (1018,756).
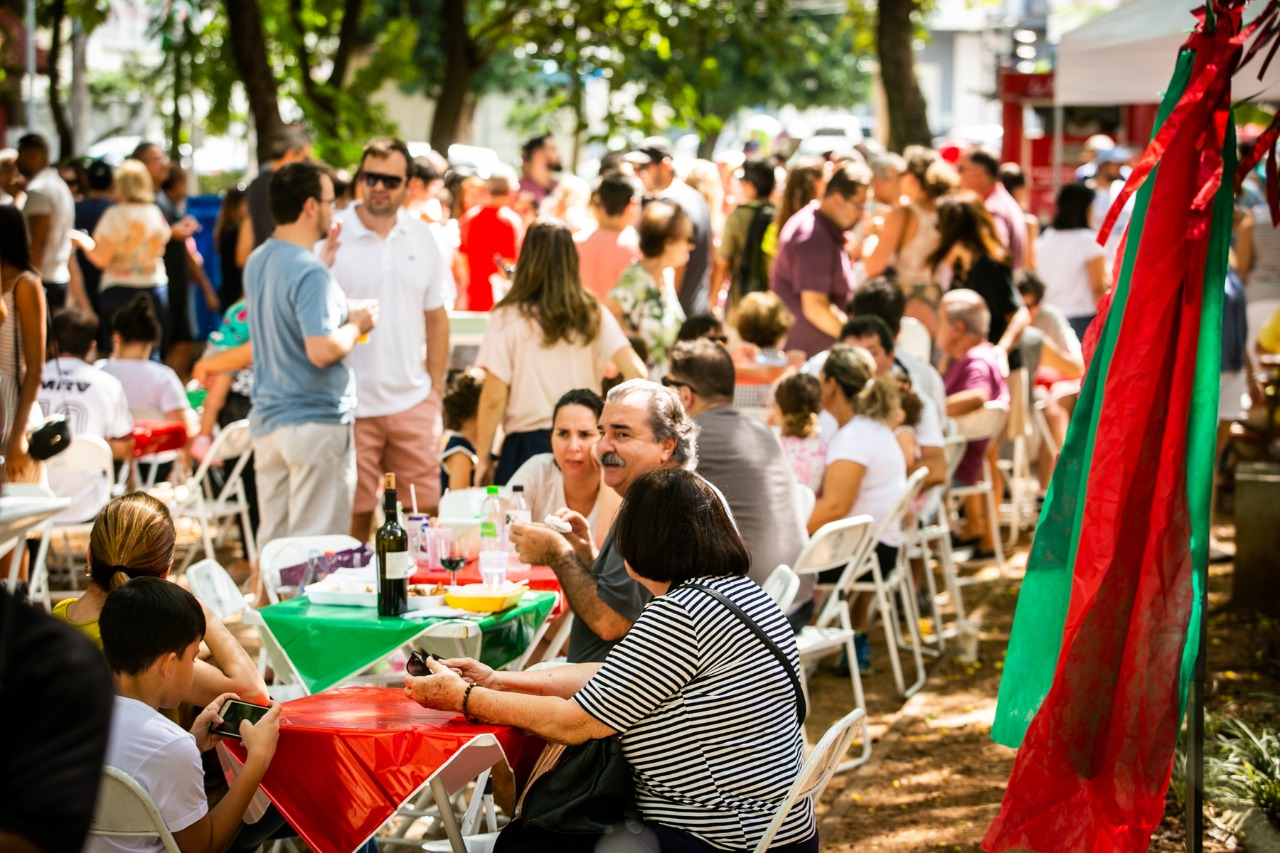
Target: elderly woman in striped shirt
(705,709)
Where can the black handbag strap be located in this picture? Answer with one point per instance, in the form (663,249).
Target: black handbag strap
(802,708)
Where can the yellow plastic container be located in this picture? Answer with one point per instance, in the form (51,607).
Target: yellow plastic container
(479,598)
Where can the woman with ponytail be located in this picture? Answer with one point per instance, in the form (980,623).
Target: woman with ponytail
(866,472)
(133,537)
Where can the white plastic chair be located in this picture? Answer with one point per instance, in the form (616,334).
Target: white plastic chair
(929,538)
(914,339)
(38,570)
(985,423)
(898,582)
(461,503)
(805,501)
(1019,430)
(782,586)
(817,770)
(88,457)
(206,502)
(291,550)
(126,810)
(211,584)
(842,544)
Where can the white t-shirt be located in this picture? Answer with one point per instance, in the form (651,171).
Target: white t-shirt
(163,759)
(94,404)
(544,490)
(49,195)
(407,275)
(872,445)
(1062,259)
(536,375)
(148,384)
(140,234)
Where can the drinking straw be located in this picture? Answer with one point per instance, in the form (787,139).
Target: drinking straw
(413,496)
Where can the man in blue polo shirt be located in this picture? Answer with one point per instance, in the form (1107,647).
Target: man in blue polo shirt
(302,328)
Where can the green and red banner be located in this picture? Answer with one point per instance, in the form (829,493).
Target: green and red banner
(1107,626)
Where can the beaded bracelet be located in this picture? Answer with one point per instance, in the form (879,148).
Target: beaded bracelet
(466,696)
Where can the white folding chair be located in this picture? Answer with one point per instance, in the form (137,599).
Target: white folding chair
(37,571)
(985,423)
(933,531)
(126,810)
(782,585)
(817,770)
(461,503)
(88,463)
(206,502)
(1019,430)
(210,583)
(155,460)
(898,581)
(914,339)
(291,550)
(842,544)
(805,500)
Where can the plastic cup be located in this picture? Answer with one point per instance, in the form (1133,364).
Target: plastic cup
(438,542)
(419,544)
(493,567)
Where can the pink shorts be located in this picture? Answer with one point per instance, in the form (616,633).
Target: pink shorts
(405,444)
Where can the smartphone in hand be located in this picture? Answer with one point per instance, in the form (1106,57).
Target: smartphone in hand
(233,713)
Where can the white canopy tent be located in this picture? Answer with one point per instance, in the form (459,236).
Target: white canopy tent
(1127,56)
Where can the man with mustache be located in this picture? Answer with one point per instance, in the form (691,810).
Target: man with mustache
(643,428)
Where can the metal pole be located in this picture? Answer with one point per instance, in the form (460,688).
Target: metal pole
(31,65)
(1194,819)
(1058,118)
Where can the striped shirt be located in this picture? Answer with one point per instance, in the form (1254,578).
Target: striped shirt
(707,717)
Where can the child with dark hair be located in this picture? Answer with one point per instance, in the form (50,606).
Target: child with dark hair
(148,384)
(797,401)
(151,632)
(461,403)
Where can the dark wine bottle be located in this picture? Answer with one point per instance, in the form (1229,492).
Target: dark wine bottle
(394,564)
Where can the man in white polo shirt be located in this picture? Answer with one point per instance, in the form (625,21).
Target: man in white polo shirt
(389,255)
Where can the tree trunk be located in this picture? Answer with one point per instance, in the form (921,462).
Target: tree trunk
(79,88)
(462,61)
(66,133)
(250,50)
(895,33)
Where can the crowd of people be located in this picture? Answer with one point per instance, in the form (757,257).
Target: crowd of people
(712,354)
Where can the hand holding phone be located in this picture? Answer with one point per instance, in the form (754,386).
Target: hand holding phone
(233,713)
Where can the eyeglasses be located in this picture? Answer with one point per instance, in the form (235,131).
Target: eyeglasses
(372,179)
(676,383)
(330,200)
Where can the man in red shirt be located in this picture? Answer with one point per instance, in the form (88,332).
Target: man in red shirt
(490,231)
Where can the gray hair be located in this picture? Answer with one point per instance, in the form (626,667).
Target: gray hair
(667,418)
(883,164)
(968,309)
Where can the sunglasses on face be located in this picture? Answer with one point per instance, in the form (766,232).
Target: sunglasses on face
(416,665)
(372,179)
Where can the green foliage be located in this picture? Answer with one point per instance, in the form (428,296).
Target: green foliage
(1243,769)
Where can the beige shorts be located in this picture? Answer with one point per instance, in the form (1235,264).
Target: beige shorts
(405,444)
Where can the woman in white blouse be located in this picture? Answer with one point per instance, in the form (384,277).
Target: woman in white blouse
(569,476)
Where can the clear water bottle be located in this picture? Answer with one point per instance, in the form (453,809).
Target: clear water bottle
(492,521)
(517,513)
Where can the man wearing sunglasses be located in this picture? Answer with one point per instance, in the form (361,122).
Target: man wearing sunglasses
(389,255)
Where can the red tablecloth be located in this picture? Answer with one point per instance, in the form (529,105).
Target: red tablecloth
(151,437)
(349,757)
(539,578)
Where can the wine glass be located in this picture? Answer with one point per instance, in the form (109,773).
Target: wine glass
(453,556)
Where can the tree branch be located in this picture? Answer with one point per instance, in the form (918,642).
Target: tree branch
(348,33)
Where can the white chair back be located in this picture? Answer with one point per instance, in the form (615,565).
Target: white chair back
(914,339)
(805,500)
(816,771)
(292,550)
(126,810)
(914,484)
(987,422)
(845,543)
(462,503)
(211,584)
(86,459)
(782,585)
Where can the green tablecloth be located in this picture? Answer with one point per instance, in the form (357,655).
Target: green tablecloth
(329,644)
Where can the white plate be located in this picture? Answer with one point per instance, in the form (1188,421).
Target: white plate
(319,593)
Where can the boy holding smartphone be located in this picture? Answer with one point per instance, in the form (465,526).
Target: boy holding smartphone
(151,633)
